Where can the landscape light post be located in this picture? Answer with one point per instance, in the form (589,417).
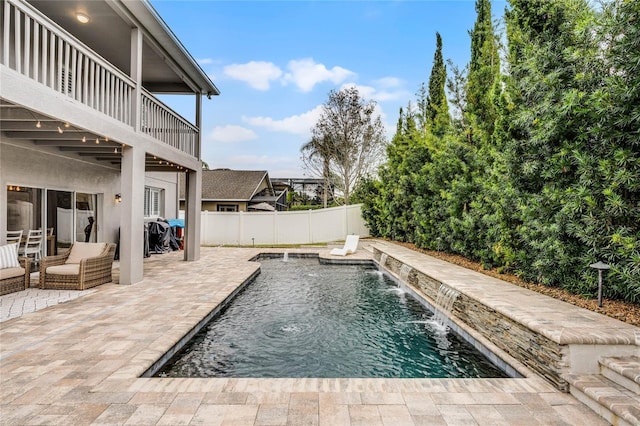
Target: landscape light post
(600,266)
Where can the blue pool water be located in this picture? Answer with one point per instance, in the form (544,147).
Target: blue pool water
(303,319)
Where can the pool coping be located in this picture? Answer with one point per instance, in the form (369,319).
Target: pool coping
(80,362)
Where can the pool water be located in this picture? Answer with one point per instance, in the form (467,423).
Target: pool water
(303,319)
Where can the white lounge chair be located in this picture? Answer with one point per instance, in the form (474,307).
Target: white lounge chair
(350,246)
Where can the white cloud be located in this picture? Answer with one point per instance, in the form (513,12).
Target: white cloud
(299,124)
(231,133)
(388,82)
(205,61)
(379,95)
(257,74)
(306,73)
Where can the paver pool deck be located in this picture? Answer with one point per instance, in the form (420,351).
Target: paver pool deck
(80,362)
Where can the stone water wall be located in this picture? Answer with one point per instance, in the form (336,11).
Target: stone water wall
(533,350)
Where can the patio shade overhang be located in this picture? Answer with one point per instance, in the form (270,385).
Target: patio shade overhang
(44,133)
(167,67)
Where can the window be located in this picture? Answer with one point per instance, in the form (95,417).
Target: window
(152,202)
(227,207)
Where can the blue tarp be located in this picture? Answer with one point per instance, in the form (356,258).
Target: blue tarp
(176,222)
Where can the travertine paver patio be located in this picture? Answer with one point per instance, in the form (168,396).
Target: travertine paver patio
(79,363)
(14,305)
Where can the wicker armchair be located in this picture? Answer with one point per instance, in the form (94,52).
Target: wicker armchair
(57,273)
(15,279)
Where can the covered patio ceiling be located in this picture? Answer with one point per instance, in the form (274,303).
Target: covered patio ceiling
(20,123)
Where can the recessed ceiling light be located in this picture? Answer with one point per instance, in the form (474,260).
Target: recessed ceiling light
(82,18)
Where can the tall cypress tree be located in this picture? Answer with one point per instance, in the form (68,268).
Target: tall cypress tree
(484,71)
(437,109)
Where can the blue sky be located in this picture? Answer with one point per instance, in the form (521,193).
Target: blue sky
(276,61)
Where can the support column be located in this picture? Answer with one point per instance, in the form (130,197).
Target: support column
(136,75)
(3,211)
(193,202)
(132,216)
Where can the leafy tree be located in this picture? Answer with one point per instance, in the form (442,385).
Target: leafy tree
(316,157)
(354,135)
(554,67)
(405,156)
(445,190)
(604,200)
(539,171)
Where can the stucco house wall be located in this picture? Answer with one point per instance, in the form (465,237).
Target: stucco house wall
(26,167)
(22,166)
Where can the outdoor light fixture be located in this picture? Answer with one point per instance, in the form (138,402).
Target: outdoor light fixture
(600,266)
(82,18)
(84,139)
(60,130)
(118,198)
(38,125)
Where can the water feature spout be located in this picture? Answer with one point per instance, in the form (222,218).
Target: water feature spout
(444,302)
(405,270)
(285,257)
(383,259)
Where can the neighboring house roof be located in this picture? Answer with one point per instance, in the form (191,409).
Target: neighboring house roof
(230,185)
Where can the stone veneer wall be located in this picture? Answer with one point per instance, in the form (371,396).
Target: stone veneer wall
(535,351)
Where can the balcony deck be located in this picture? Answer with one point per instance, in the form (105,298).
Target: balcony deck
(37,48)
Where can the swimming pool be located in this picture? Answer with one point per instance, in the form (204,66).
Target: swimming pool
(299,318)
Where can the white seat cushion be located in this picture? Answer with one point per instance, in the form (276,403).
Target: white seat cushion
(10,273)
(66,269)
(81,251)
(9,256)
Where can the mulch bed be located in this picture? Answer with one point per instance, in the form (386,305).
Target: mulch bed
(626,312)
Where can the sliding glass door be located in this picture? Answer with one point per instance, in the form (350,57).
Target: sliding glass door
(68,216)
(86,220)
(60,218)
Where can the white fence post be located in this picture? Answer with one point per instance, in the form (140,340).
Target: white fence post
(241,228)
(275,227)
(203,227)
(346,220)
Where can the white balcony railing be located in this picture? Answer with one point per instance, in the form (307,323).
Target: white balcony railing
(159,122)
(39,49)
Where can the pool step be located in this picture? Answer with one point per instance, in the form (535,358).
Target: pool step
(625,371)
(612,401)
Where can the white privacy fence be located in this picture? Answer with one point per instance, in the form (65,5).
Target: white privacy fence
(297,227)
